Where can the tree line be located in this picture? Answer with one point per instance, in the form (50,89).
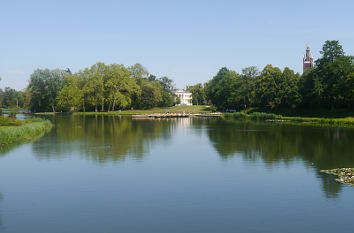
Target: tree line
(330,84)
(10,98)
(100,87)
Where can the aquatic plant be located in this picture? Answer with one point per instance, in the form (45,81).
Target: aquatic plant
(345,175)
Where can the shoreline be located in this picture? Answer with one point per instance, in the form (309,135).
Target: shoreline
(193,109)
(249,114)
(24,131)
(271,117)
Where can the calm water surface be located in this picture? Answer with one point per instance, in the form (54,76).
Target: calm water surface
(115,174)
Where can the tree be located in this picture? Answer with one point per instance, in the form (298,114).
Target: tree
(95,85)
(9,97)
(168,99)
(167,84)
(327,84)
(70,97)
(152,77)
(274,88)
(120,87)
(138,71)
(243,87)
(44,87)
(198,94)
(150,96)
(218,89)
(292,97)
(349,91)
(331,50)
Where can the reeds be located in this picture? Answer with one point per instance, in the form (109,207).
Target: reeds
(253,116)
(19,131)
(274,117)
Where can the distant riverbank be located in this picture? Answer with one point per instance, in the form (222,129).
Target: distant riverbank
(347,121)
(175,109)
(14,131)
(340,117)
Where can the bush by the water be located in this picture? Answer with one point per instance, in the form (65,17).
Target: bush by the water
(12,114)
(264,116)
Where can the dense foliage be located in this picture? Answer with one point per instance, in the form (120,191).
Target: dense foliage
(98,88)
(198,94)
(44,87)
(10,98)
(329,84)
(111,87)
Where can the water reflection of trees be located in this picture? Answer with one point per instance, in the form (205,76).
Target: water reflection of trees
(102,137)
(0,210)
(323,148)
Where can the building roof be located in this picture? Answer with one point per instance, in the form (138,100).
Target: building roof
(181,91)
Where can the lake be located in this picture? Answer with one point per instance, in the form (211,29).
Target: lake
(116,174)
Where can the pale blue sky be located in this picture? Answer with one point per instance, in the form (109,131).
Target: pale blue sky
(187,41)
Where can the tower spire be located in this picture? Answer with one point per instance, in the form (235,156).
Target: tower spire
(307,61)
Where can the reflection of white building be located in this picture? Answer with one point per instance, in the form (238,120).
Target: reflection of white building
(184,96)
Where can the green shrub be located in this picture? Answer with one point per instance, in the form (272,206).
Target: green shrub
(264,116)
(12,114)
(238,115)
(7,121)
(212,109)
(248,110)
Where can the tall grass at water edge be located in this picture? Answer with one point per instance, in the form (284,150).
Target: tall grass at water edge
(348,121)
(20,131)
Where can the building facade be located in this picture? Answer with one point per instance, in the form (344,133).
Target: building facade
(307,61)
(184,96)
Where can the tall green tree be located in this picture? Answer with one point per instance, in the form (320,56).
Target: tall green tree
(44,86)
(94,87)
(198,94)
(151,94)
(71,96)
(120,87)
(243,87)
(167,83)
(138,72)
(218,89)
(327,84)
(331,50)
(275,88)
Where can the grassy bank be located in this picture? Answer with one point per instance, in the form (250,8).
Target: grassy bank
(347,121)
(174,109)
(14,131)
(307,112)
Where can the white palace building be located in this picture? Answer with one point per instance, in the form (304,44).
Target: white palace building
(184,96)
